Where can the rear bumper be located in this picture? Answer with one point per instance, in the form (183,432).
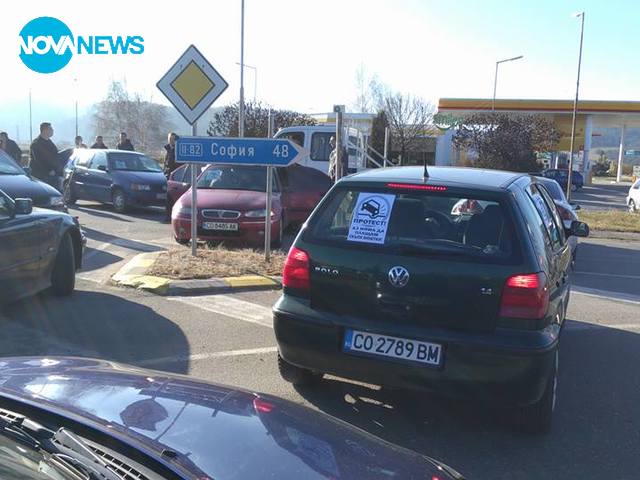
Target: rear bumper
(504,367)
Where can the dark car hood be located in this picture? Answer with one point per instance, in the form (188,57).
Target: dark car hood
(22,186)
(240,200)
(217,431)
(152,178)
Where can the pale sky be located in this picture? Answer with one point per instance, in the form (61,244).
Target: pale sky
(307,52)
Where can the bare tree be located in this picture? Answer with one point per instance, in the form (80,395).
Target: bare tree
(371,92)
(146,123)
(408,118)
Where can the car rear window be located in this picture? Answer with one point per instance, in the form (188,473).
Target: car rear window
(415,222)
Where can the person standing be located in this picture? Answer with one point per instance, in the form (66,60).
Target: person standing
(10,147)
(99,143)
(44,157)
(169,167)
(333,161)
(78,142)
(125,143)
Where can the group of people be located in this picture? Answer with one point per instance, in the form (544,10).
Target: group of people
(123,143)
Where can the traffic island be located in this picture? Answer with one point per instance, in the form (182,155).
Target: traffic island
(217,270)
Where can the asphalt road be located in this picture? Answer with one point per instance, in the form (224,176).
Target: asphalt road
(229,339)
(602,196)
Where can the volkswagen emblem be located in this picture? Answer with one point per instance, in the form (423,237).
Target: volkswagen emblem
(398,276)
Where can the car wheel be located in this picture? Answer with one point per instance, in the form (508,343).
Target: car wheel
(63,277)
(574,188)
(67,194)
(182,241)
(297,375)
(632,206)
(537,418)
(119,200)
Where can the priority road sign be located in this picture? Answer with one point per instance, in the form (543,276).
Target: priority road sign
(273,152)
(192,84)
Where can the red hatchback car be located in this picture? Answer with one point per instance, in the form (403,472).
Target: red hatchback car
(232,203)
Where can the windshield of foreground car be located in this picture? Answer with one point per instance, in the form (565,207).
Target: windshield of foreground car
(8,166)
(234,178)
(133,163)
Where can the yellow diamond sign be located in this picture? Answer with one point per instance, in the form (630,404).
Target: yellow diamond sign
(192,84)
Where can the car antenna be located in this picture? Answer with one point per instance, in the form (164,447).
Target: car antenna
(425,174)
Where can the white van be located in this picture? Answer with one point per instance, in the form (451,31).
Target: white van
(315,140)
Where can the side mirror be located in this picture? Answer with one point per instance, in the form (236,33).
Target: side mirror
(579,229)
(23,206)
(103,168)
(27,171)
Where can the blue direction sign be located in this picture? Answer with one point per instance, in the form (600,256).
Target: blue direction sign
(238,151)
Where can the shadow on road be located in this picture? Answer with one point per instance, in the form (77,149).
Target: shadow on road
(106,211)
(102,237)
(596,431)
(92,324)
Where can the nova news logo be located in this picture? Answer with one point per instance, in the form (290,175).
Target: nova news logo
(47,45)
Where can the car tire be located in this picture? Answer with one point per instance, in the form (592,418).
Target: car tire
(632,206)
(63,276)
(68,195)
(182,241)
(119,200)
(574,188)
(537,418)
(296,375)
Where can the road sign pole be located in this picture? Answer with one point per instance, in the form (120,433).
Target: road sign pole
(267,216)
(386,145)
(339,159)
(194,201)
(241,107)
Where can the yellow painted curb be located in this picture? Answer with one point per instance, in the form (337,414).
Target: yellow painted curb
(249,281)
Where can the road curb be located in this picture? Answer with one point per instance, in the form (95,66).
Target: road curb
(133,275)
(614,235)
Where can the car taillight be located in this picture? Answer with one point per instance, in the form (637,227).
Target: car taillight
(295,274)
(262,406)
(525,296)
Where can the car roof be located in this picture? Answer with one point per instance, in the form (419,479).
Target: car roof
(451,176)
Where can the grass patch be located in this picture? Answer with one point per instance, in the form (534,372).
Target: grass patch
(178,263)
(615,220)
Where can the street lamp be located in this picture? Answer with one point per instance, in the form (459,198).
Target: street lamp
(255,79)
(75,84)
(495,79)
(575,110)
(241,107)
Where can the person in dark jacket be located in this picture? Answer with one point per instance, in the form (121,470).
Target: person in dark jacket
(10,147)
(99,143)
(125,143)
(44,163)
(169,167)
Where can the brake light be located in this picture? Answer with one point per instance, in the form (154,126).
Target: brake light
(295,274)
(525,296)
(262,406)
(411,186)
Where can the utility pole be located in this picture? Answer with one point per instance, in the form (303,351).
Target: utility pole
(241,108)
(575,111)
(194,200)
(495,79)
(30,120)
(386,145)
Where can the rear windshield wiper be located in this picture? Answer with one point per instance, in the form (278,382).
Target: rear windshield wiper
(63,446)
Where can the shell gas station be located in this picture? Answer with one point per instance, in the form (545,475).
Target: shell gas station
(592,115)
